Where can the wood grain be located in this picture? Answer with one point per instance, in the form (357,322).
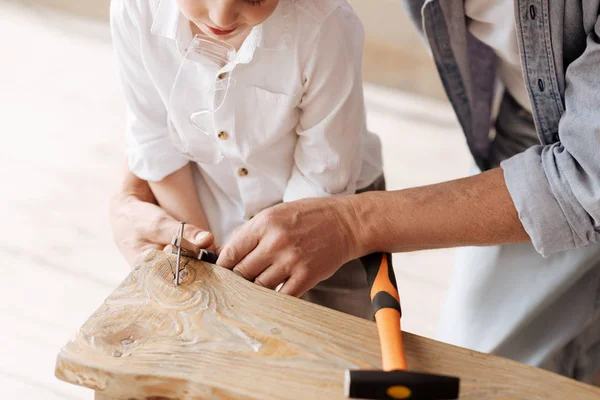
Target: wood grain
(218,336)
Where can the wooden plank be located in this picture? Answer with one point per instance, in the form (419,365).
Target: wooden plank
(218,336)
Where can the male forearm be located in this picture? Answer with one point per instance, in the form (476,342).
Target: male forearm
(474,211)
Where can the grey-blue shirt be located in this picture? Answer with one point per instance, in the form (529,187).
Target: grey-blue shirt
(555,184)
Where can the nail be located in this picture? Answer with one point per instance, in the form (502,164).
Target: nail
(200,236)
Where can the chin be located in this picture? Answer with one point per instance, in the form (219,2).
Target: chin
(225,37)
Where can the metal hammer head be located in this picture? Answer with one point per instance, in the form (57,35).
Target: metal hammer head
(400,385)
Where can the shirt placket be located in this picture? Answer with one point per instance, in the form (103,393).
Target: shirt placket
(247,178)
(533,31)
(224,116)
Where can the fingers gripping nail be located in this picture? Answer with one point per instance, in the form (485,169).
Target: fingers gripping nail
(204,239)
(200,236)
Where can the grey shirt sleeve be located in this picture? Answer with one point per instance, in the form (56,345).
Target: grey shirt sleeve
(556,188)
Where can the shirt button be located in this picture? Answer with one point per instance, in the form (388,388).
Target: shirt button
(242,172)
(223,135)
(222,75)
(541,85)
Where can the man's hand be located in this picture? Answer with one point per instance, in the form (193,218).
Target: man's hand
(299,243)
(139,224)
(304,242)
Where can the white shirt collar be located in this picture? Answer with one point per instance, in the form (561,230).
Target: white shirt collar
(273,34)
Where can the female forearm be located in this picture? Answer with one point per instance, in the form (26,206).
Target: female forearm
(139,225)
(473,211)
(177,195)
(132,186)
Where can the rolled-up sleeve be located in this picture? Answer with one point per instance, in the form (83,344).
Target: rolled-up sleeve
(556,188)
(150,152)
(327,158)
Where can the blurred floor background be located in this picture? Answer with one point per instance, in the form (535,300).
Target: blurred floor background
(62,120)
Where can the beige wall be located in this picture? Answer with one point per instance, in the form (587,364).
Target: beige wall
(87,8)
(395,55)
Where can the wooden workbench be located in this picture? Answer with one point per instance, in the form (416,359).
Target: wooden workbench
(218,336)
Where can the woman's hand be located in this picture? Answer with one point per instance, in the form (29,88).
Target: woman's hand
(139,225)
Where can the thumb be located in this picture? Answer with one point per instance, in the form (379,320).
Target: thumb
(201,238)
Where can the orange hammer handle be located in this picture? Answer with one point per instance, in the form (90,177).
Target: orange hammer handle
(386,306)
(390,338)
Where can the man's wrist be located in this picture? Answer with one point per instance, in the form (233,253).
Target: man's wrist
(359,215)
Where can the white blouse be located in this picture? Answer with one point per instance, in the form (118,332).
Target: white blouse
(292,126)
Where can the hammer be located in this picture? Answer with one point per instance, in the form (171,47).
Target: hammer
(394,382)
